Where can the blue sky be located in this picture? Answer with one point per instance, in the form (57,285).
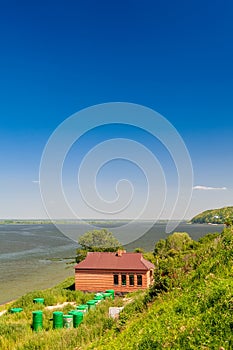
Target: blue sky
(57,58)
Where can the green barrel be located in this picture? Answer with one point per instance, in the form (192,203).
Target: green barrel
(77,317)
(111,291)
(38,300)
(37,321)
(99,294)
(98,300)
(57,319)
(82,308)
(14,310)
(72,312)
(107,295)
(91,304)
(98,297)
(67,321)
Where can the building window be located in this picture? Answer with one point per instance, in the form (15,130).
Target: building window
(123,280)
(131,280)
(115,280)
(139,280)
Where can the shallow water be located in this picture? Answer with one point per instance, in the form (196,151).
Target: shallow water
(25,259)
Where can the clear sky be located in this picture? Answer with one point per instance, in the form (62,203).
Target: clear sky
(58,57)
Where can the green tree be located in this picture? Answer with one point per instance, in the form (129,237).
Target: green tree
(160,247)
(173,258)
(97,241)
(179,241)
(138,250)
(229,222)
(80,254)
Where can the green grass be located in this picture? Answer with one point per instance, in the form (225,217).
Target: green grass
(16,331)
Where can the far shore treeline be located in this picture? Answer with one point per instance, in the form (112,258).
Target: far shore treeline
(212,216)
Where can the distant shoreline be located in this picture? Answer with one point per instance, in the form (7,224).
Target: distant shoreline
(84,221)
(97,224)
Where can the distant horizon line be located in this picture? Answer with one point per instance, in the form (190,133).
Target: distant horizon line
(88,219)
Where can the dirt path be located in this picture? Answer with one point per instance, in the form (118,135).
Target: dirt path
(59,306)
(3,312)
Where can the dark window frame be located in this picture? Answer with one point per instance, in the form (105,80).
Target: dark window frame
(139,280)
(116,275)
(123,280)
(131,276)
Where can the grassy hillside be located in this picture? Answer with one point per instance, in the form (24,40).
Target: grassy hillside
(190,305)
(214,216)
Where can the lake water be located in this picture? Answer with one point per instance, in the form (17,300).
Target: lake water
(36,256)
(25,259)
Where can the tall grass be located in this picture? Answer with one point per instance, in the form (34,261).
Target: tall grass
(16,331)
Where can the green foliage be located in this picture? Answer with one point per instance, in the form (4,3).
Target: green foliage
(99,240)
(149,256)
(160,247)
(229,222)
(80,254)
(138,250)
(208,238)
(215,216)
(178,241)
(173,258)
(96,241)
